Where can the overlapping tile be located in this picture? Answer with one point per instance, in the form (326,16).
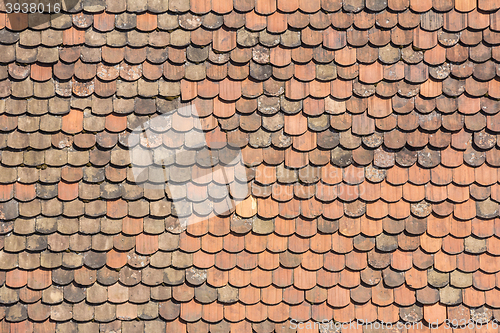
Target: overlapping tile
(369,140)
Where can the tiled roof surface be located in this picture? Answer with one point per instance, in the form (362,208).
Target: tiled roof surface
(369,131)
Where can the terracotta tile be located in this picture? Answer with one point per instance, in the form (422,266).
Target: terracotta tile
(176,326)
(222,7)
(234,312)
(116,208)
(416,278)
(465,210)
(465,5)
(146,22)
(224,40)
(473,297)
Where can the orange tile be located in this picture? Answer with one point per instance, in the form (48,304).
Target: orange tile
(229,90)
(224,260)
(486,175)
(304,279)
(382,295)
(256,312)
(224,40)
(467,262)
(334,39)
(234,312)
(132,226)
(189,242)
(473,297)
(116,208)
(435,193)
(116,123)
(492,298)
(483,281)
(320,312)
(288,6)
(200,6)
(465,210)
(104,21)
(188,90)
(452,245)
(341,88)
(16,278)
(415,278)
(116,259)
(399,210)
(176,326)
(489,263)
(246,260)
(239,277)
(465,5)
(72,122)
(146,21)
(265,7)
(146,244)
(67,191)
(445,262)
(366,312)
(377,209)
(371,73)
(404,296)
(401,260)
(379,107)
(212,312)
(338,296)
(217,278)
(222,7)
(39,279)
(41,72)
(73,36)
(435,313)
(460,228)
(424,39)
(463,175)
(21,326)
(388,314)
(207,88)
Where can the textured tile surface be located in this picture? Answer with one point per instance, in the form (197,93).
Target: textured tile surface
(369,184)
